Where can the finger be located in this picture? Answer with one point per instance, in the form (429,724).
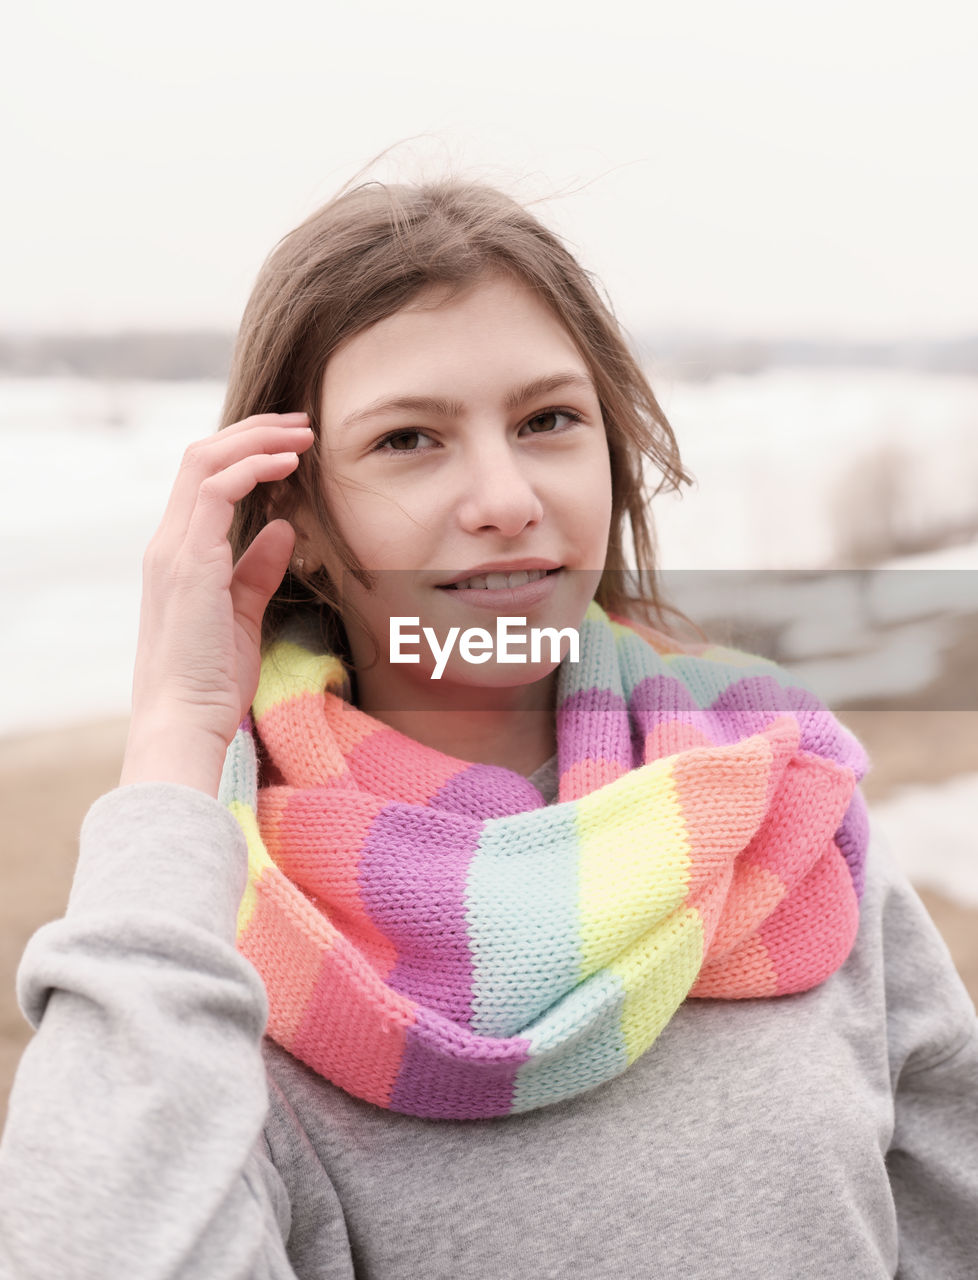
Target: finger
(204,458)
(265,420)
(259,572)
(207,529)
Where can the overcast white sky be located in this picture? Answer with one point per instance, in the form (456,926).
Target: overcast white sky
(758,166)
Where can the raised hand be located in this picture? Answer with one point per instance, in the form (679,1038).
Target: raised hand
(198,654)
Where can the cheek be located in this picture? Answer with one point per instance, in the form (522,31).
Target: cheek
(363,519)
(595,502)
(387,526)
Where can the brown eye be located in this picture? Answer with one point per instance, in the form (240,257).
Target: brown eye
(550,421)
(406,441)
(543,421)
(403,442)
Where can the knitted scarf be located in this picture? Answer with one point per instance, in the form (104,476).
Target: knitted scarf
(437,940)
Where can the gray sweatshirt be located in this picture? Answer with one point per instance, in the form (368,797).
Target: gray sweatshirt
(151,1133)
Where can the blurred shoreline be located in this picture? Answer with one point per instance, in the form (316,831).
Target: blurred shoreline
(692,355)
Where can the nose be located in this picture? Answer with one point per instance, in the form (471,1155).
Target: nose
(497,494)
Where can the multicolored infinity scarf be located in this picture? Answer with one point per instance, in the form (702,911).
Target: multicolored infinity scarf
(438,941)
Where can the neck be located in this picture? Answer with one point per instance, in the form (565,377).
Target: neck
(512,727)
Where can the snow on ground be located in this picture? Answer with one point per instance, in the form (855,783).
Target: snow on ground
(798,469)
(932,833)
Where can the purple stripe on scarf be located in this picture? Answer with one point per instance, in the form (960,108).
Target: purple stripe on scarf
(750,705)
(659,700)
(430,1083)
(593,725)
(487,791)
(413,870)
(745,707)
(822,734)
(852,838)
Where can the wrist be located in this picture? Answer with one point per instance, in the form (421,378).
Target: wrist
(160,749)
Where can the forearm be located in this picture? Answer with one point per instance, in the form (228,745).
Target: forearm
(130,1143)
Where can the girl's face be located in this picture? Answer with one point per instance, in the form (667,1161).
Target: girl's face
(463,442)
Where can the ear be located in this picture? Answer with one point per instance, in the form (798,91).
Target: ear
(279,501)
(280,504)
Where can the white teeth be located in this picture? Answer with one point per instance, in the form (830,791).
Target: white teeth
(500,581)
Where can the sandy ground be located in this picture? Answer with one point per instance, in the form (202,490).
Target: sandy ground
(48,780)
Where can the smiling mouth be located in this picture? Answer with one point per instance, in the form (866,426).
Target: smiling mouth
(499,581)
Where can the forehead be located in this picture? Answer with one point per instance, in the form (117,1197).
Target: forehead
(496,327)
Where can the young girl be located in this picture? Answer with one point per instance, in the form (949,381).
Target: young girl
(465,873)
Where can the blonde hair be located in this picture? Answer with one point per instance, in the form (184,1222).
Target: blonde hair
(363,256)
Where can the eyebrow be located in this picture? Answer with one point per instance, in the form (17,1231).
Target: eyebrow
(454,408)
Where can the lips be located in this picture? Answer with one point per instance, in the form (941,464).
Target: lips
(505,590)
(498,581)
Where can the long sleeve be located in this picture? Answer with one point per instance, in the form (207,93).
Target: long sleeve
(933,1156)
(133,1145)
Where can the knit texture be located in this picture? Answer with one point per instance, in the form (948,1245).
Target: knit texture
(438,941)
